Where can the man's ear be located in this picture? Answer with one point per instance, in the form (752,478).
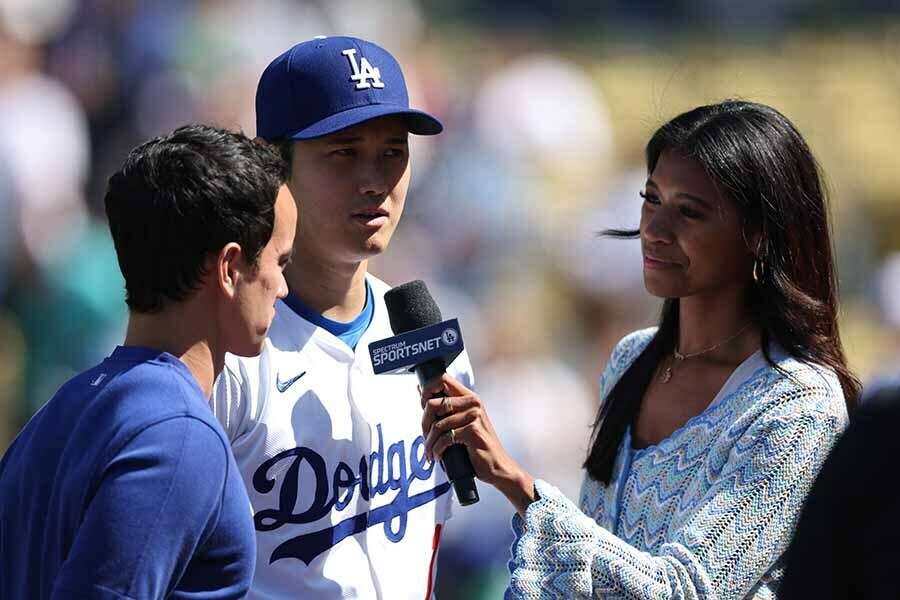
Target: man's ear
(228,268)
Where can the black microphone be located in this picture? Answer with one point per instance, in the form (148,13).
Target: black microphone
(411,307)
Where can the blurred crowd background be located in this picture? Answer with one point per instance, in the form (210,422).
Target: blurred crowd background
(547,106)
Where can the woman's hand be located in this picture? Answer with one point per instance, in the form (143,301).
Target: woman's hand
(457,415)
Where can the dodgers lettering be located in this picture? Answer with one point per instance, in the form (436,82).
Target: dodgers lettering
(378,474)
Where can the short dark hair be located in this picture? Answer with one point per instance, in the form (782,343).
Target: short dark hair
(180,198)
(285,148)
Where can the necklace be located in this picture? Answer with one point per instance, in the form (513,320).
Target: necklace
(678,357)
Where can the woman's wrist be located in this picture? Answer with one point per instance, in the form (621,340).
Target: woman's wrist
(518,487)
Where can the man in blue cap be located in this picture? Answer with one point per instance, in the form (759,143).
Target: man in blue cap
(345,503)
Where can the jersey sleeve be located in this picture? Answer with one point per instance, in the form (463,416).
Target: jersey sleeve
(461,370)
(738,530)
(231,400)
(157,501)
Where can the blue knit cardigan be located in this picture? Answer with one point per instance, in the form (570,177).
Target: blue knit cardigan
(706,513)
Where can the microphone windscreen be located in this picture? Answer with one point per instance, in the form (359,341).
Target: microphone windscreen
(410,306)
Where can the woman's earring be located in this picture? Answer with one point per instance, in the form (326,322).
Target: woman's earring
(758,269)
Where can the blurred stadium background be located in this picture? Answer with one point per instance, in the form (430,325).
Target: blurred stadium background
(547,105)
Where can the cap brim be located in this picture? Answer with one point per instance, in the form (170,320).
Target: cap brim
(418,122)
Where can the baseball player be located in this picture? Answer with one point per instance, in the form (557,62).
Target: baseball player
(123,485)
(344,502)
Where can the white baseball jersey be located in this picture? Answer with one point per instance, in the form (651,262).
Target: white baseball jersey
(344,502)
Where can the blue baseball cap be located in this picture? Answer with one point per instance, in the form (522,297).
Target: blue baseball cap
(330,83)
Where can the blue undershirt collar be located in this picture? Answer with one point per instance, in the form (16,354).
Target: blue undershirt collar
(350,333)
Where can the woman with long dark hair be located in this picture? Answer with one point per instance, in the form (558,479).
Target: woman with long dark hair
(711,426)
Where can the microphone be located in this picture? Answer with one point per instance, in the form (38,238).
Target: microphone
(426,343)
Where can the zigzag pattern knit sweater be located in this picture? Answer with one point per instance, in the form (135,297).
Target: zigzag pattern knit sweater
(707,513)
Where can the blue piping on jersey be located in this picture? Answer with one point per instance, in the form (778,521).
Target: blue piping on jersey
(349,332)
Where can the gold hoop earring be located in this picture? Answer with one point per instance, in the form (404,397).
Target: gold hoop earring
(759,269)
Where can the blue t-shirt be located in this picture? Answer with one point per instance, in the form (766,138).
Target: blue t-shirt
(123,486)
(349,333)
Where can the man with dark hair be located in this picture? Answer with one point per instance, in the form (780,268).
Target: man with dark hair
(345,503)
(847,541)
(123,485)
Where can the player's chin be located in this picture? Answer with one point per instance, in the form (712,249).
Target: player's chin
(376,243)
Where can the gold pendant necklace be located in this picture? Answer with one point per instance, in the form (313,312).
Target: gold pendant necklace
(680,358)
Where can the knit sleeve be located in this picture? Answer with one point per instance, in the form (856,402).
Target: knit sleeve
(625,353)
(738,529)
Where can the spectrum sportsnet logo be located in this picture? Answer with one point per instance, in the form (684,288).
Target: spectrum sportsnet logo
(401,352)
(378,474)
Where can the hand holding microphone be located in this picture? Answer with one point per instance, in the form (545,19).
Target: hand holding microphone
(427,344)
(454,418)
(455,414)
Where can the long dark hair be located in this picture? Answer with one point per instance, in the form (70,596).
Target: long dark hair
(757,157)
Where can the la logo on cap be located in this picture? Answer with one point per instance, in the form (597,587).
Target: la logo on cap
(363,71)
